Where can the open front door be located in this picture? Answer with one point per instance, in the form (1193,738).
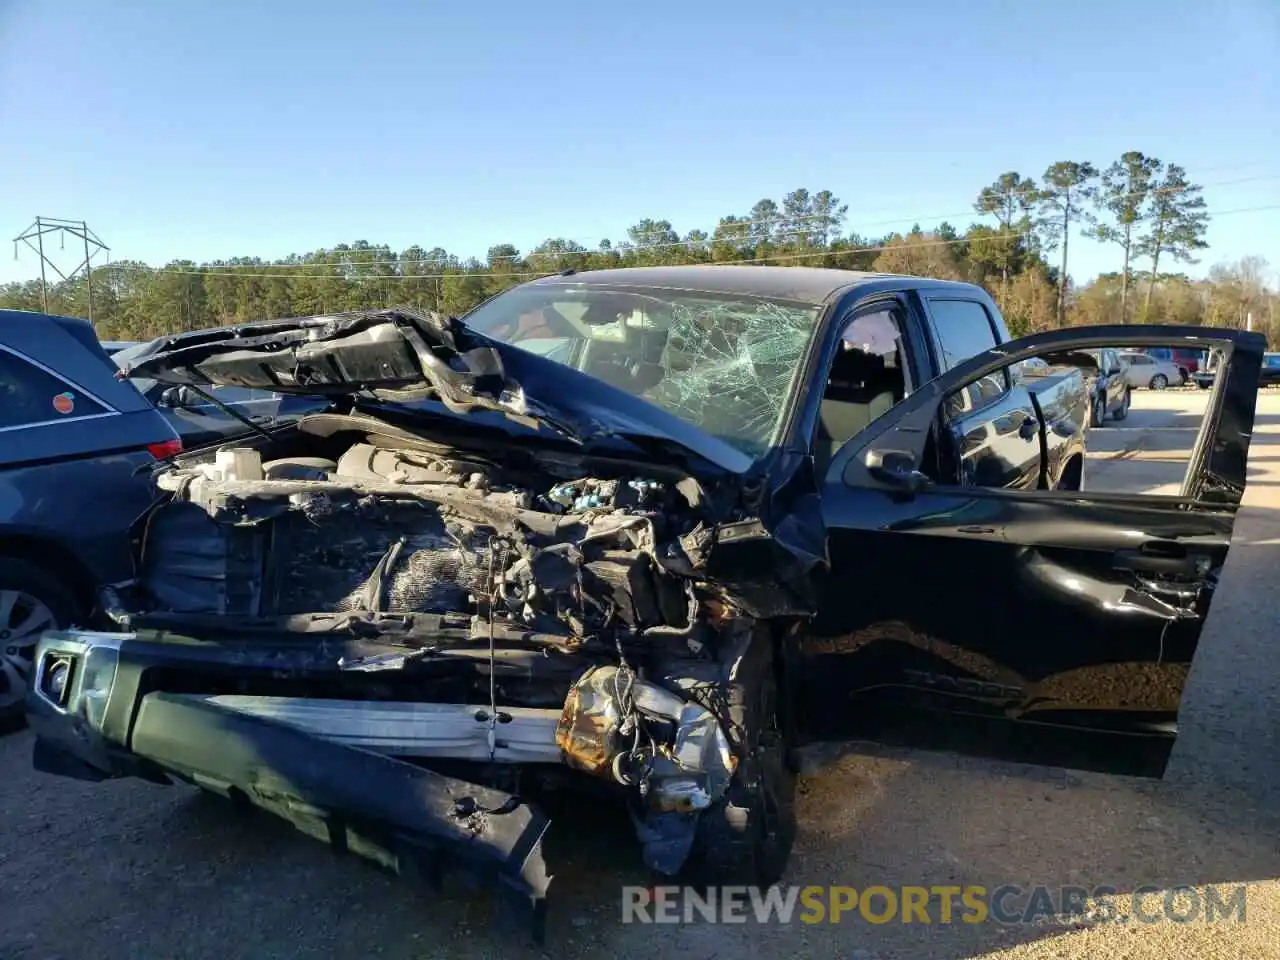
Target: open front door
(1052,626)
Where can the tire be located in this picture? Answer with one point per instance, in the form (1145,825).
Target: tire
(1098,412)
(1185,377)
(745,838)
(34,600)
(1202,386)
(1123,412)
(1159,382)
(1070,480)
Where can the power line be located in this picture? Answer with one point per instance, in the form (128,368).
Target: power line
(531,274)
(234,270)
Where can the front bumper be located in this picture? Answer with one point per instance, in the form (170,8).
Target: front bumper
(108,705)
(99,721)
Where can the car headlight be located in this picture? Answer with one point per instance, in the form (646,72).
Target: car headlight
(56,681)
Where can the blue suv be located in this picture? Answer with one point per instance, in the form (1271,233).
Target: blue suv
(75,447)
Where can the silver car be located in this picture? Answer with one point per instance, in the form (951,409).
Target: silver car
(1143,370)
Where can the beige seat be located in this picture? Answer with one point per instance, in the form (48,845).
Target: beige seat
(860,388)
(840,420)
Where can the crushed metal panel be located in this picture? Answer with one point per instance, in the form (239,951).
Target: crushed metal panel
(404,817)
(409,729)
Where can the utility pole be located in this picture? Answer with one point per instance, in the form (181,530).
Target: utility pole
(78,229)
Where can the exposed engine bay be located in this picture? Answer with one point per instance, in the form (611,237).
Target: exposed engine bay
(508,614)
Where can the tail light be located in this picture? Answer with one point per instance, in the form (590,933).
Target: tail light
(165,448)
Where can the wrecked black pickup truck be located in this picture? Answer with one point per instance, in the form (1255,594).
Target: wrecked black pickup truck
(647,530)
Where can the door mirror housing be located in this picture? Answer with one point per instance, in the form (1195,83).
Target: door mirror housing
(897,468)
(177,397)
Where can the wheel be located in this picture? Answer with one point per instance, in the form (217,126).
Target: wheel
(31,601)
(1202,385)
(745,838)
(1159,381)
(1123,411)
(1098,412)
(1184,376)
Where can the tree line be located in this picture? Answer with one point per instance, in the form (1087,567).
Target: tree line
(1148,210)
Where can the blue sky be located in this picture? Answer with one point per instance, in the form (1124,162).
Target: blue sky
(203,130)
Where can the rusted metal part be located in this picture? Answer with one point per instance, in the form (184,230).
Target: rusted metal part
(588,732)
(616,725)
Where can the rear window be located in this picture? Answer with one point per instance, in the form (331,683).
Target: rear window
(30,395)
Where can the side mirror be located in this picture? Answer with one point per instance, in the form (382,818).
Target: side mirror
(897,468)
(175,397)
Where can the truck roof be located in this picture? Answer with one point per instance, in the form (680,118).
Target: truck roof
(813,285)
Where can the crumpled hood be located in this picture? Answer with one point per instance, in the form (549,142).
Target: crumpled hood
(399,355)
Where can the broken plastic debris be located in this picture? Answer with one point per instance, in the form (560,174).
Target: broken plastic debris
(681,795)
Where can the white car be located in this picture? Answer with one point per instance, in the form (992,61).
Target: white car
(1142,370)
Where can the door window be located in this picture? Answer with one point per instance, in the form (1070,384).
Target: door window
(867,377)
(964,329)
(30,395)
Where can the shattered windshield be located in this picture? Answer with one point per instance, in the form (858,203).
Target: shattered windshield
(724,363)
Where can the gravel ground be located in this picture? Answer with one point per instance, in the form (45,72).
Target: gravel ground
(132,870)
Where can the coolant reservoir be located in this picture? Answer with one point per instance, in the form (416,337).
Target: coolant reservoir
(239,463)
